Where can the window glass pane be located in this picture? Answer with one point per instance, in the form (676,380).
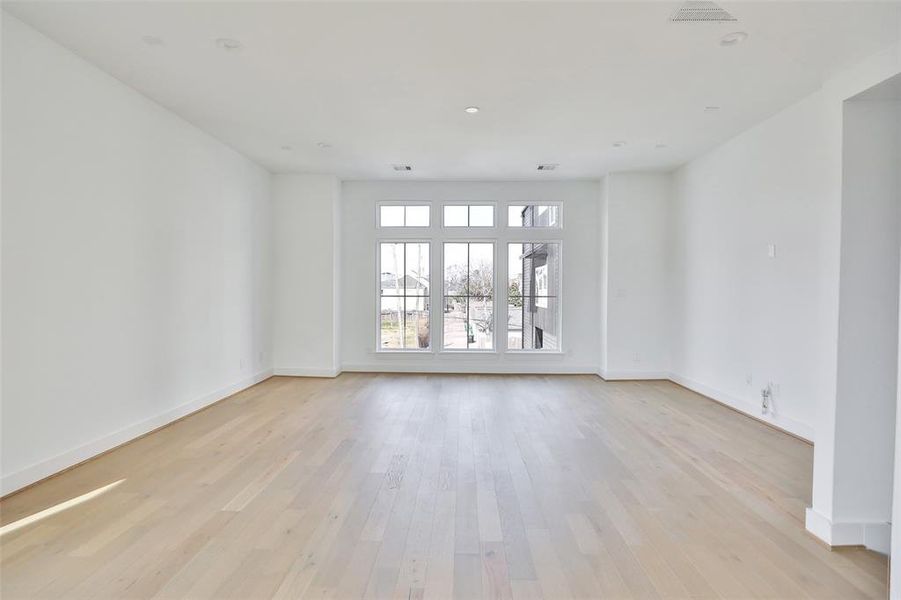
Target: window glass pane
(481,270)
(391,318)
(456,215)
(481,323)
(416,322)
(392,269)
(533,304)
(391,216)
(514,215)
(416,280)
(417,216)
(456,334)
(456,261)
(481,216)
(533,215)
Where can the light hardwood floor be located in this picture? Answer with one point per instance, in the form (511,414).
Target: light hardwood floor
(410,486)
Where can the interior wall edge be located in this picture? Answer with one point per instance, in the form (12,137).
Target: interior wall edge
(13,482)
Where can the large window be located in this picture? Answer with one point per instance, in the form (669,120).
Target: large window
(533,296)
(404,296)
(468,296)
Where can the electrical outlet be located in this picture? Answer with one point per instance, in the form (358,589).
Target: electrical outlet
(636,358)
(766,398)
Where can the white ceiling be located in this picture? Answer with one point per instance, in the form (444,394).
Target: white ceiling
(387,83)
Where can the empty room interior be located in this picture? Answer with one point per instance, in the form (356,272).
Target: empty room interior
(458,300)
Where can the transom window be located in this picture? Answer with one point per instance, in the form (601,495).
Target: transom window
(469,215)
(404,296)
(404,215)
(468,295)
(533,215)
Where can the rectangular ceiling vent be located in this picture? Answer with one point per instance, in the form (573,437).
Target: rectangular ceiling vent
(696,11)
(402,167)
(548,167)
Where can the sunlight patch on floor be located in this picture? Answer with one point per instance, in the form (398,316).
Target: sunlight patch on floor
(25,521)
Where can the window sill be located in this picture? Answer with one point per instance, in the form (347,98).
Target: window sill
(537,352)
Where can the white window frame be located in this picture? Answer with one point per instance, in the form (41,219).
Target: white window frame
(436,235)
(494,337)
(468,204)
(404,203)
(560,215)
(378,295)
(559,296)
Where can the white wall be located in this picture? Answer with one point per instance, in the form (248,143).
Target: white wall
(635,317)
(580,268)
(740,318)
(135,262)
(307,249)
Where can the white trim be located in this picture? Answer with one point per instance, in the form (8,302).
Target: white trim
(480,367)
(633,375)
(793,426)
(305,372)
(14,481)
(875,535)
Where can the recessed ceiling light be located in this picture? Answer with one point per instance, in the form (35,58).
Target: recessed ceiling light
(471,109)
(229,44)
(152,40)
(733,39)
(619,144)
(323,144)
(287,148)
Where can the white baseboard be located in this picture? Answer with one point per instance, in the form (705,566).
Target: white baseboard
(482,368)
(632,375)
(304,372)
(14,481)
(875,535)
(802,430)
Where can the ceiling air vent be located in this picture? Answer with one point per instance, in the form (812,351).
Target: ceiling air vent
(548,167)
(402,167)
(701,12)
